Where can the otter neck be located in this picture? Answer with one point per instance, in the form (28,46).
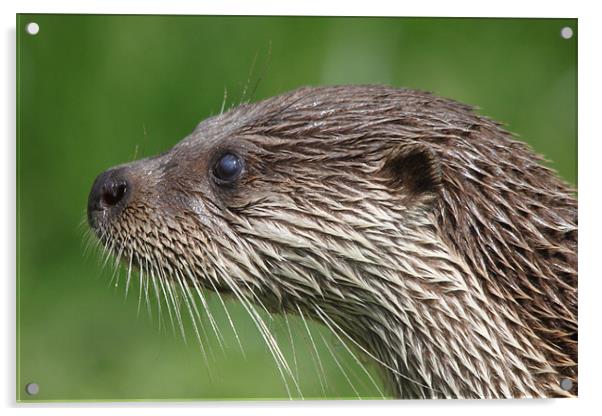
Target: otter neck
(383,276)
(427,322)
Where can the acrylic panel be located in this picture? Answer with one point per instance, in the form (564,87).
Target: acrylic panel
(366,241)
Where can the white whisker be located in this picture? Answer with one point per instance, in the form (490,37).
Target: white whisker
(290,337)
(357,360)
(320,368)
(214,326)
(340,367)
(154,279)
(193,312)
(162,284)
(129,274)
(176,306)
(324,315)
(271,343)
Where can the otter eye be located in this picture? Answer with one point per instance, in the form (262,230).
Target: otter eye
(228,167)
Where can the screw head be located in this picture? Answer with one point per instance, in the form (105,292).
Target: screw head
(32,389)
(566,384)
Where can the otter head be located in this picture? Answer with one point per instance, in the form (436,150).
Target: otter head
(328,203)
(266,202)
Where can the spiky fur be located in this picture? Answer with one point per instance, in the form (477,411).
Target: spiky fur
(414,228)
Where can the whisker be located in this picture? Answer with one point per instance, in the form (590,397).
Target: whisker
(263,71)
(140,274)
(107,256)
(154,277)
(357,360)
(176,306)
(164,283)
(290,337)
(340,367)
(230,321)
(324,315)
(129,274)
(115,275)
(317,354)
(91,243)
(244,91)
(221,111)
(82,225)
(214,326)
(277,353)
(146,289)
(272,345)
(193,311)
(86,242)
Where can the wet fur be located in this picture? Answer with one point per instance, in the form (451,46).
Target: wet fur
(415,229)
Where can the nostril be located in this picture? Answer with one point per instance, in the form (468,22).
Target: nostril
(110,193)
(111,189)
(113,192)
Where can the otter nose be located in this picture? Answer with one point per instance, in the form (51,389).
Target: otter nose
(110,190)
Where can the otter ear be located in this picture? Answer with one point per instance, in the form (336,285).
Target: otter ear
(413,168)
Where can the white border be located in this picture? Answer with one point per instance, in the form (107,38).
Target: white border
(590,151)
(461,8)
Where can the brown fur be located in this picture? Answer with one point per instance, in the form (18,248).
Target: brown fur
(414,228)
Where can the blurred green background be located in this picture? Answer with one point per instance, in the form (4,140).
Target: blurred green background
(96,91)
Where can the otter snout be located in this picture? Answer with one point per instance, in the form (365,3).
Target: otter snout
(109,195)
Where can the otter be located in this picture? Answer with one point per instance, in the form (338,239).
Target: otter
(417,230)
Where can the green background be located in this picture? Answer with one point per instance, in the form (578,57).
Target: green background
(96,91)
